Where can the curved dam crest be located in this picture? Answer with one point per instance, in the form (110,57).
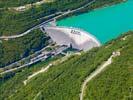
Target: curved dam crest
(74,37)
(104,23)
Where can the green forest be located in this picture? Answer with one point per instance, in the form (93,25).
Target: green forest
(117,80)
(15,49)
(15,3)
(63,81)
(12,22)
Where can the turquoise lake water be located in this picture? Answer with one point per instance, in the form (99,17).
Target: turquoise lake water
(104,23)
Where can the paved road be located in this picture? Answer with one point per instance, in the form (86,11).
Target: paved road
(22,34)
(47,68)
(38,26)
(45,22)
(10,70)
(96,72)
(57,51)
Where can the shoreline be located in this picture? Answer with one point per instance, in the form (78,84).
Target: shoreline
(87,33)
(88,10)
(109,5)
(77,37)
(79,11)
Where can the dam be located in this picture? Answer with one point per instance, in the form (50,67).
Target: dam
(72,37)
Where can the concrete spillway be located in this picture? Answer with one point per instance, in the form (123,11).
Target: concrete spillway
(77,38)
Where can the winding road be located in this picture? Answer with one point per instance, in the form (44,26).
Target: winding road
(96,72)
(45,22)
(45,69)
(22,66)
(41,71)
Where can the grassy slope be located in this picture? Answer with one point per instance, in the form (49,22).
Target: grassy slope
(115,82)
(12,22)
(63,82)
(15,49)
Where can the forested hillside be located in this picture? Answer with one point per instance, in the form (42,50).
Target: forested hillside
(14,3)
(13,22)
(64,78)
(15,49)
(63,81)
(117,80)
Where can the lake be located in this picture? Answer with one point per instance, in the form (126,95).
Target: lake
(104,23)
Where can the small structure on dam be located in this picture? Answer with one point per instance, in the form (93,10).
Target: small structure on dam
(73,37)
